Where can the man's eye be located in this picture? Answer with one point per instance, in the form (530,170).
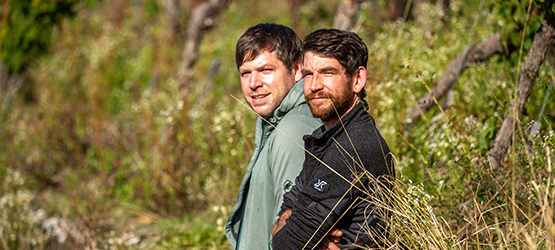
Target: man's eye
(245,74)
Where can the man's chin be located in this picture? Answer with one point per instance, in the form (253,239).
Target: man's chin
(263,112)
(319,114)
(318,111)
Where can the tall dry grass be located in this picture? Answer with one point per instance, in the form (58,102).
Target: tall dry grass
(514,224)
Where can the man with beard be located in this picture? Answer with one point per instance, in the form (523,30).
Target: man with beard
(348,163)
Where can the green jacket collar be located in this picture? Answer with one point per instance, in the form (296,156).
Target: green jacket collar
(293,99)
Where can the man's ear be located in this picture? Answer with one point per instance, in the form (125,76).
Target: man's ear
(359,79)
(297,70)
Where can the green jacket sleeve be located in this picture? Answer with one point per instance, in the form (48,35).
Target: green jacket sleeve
(287,154)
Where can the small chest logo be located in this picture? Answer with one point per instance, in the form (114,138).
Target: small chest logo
(321,185)
(287,185)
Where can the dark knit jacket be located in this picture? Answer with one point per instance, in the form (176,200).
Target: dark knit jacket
(323,198)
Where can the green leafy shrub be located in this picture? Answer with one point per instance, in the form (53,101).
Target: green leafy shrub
(26,32)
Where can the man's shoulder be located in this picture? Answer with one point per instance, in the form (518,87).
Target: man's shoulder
(363,124)
(363,134)
(294,125)
(299,115)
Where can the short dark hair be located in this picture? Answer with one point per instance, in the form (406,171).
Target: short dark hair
(269,37)
(346,47)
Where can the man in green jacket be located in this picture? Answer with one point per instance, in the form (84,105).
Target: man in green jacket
(269,60)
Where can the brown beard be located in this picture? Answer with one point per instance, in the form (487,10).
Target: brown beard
(325,111)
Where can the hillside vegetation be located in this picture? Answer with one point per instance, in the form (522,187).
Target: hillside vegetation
(101,148)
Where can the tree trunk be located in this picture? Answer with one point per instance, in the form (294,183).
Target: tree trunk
(294,9)
(3,78)
(445,7)
(172,8)
(476,53)
(344,18)
(118,12)
(396,9)
(201,20)
(543,41)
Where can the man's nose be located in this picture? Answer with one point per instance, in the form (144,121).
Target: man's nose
(255,80)
(316,83)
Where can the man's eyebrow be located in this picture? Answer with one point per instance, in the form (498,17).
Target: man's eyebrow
(265,65)
(258,67)
(306,71)
(333,70)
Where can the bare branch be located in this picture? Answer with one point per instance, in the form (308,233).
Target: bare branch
(344,18)
(476,53)
(543,41)
(201,20)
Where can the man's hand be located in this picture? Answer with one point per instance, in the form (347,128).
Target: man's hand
(281,221)
(331,239)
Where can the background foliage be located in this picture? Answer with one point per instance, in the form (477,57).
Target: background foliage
(96,141)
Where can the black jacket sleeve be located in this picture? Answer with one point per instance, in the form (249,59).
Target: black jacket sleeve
(314,211)
(290,197)
(307,226)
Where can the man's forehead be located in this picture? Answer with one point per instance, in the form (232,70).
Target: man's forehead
(315,61)
(264,58)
